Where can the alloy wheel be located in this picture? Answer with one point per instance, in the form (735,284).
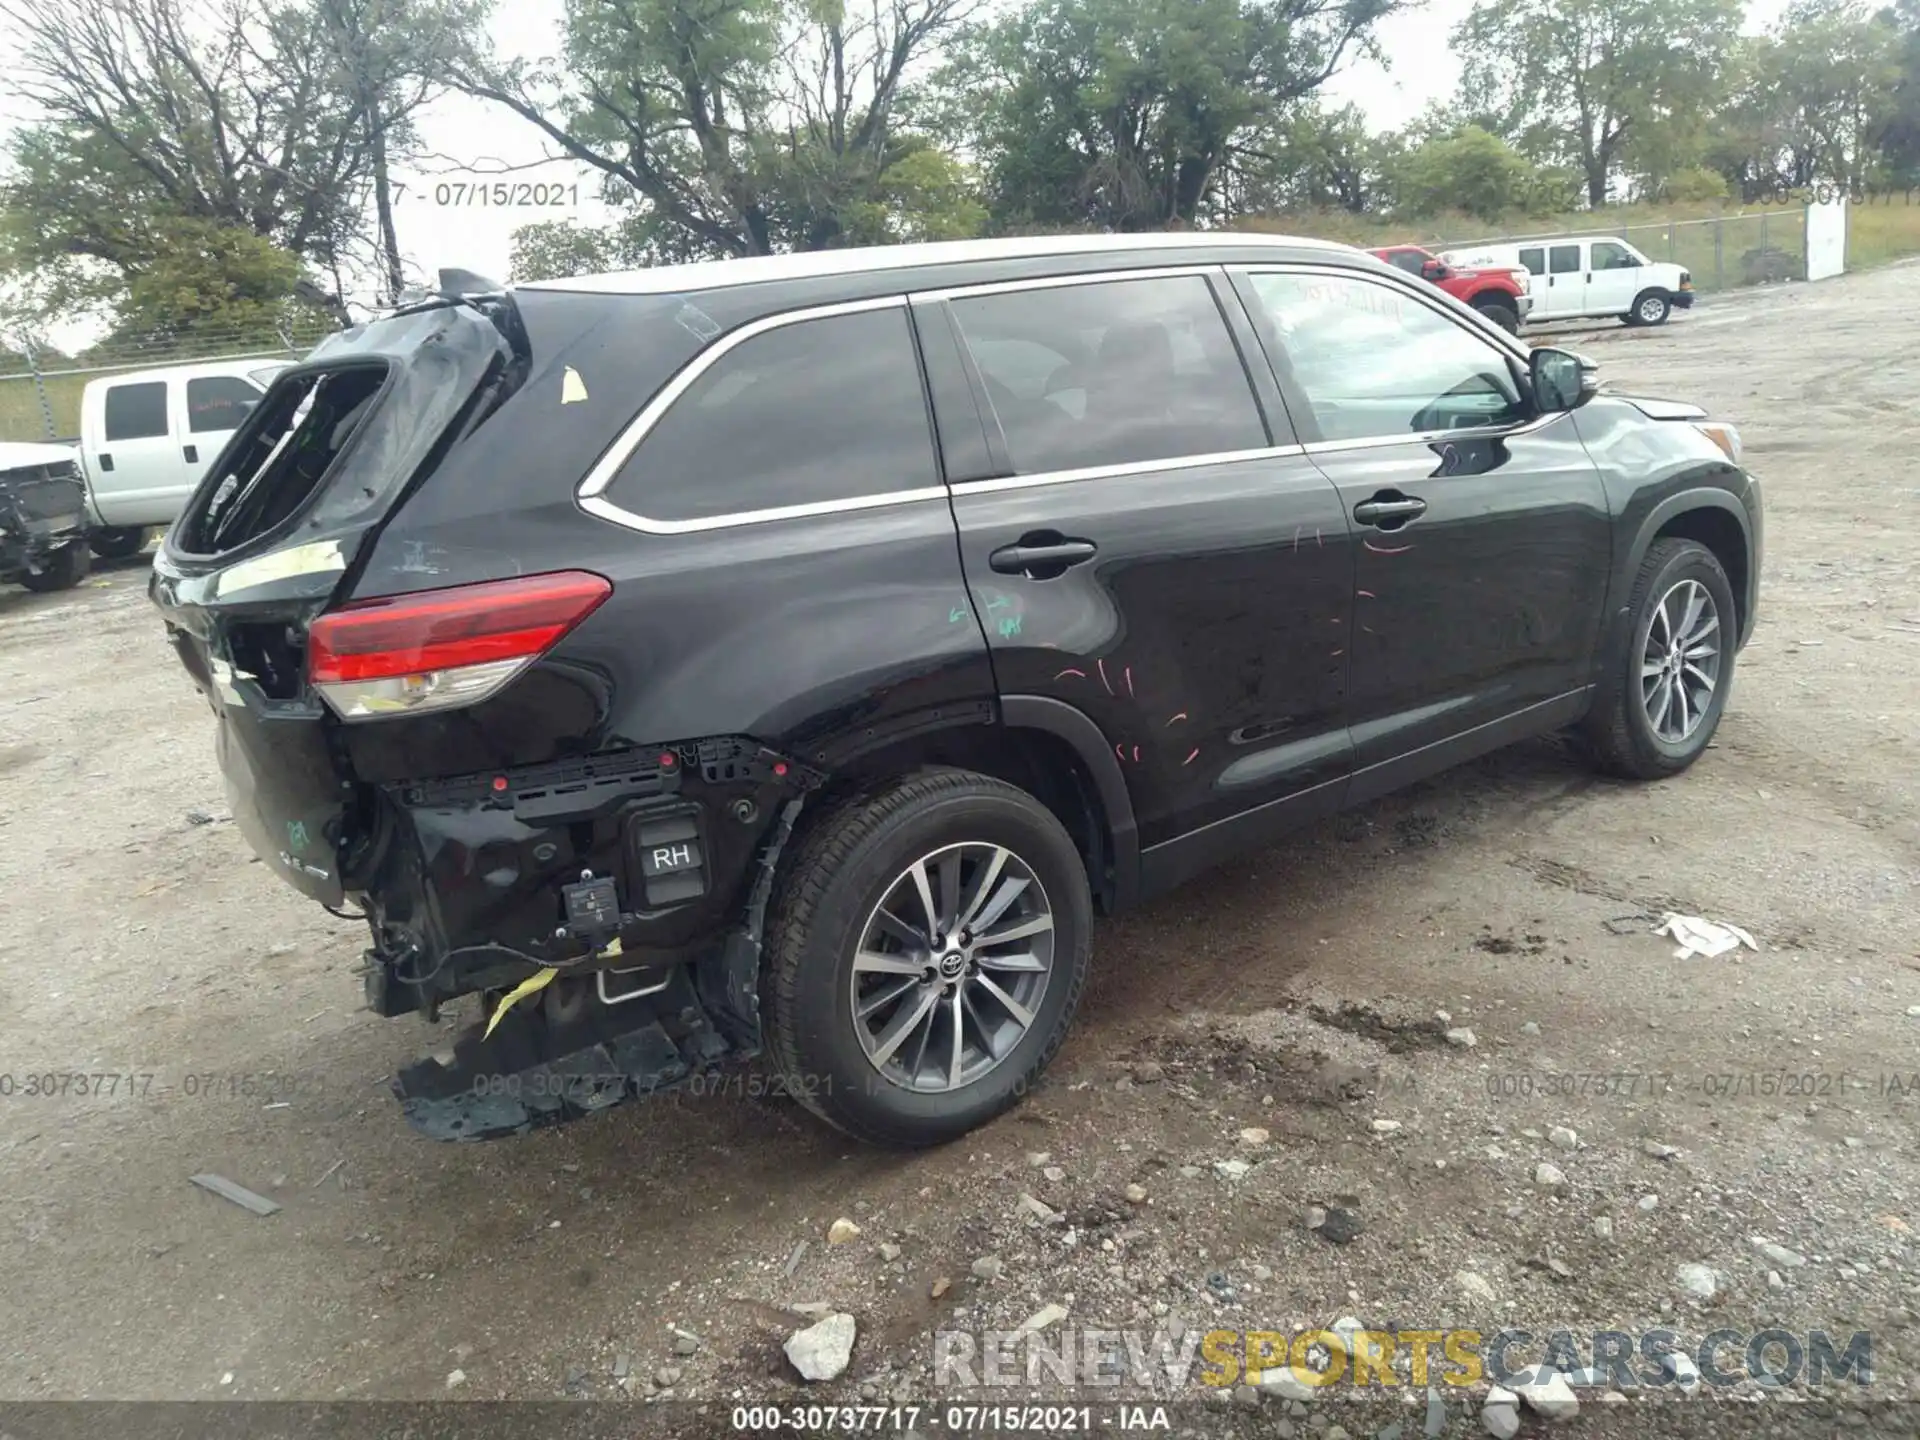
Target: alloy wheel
(952,967)
(1651,310)
(1680,664)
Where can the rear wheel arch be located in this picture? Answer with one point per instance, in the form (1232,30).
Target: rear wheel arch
(1045,747)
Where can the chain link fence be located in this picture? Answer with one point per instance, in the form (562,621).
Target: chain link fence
(1722,252)
(40,388)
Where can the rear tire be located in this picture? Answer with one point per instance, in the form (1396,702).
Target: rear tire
(1501,314)
(118,543)
(1650,307)
(64,570)
(842,985)
(1655,711)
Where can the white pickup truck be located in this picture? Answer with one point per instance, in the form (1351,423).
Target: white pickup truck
(147,436)
(1577,276)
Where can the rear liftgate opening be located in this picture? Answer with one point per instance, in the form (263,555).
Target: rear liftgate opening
(589,1032)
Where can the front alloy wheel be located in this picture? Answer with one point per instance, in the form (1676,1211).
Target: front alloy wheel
(952,967)
(1680,666)
(1664,685)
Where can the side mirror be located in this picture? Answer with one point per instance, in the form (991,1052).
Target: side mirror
(1561,379)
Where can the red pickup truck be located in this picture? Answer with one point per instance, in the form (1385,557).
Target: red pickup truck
(1498,293)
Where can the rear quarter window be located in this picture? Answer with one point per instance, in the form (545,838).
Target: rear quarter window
(821,410)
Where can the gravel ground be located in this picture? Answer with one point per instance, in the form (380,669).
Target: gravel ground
(1267,1046)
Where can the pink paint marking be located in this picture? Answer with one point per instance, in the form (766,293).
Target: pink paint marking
(1339,653)
(1367,595)
(1136,754)
(1102,664)
(1129,679)
(1178,718)
(1118,750)
(1191,758)
(1388,549)
(1081,674)
(1317,538)
(1296,535)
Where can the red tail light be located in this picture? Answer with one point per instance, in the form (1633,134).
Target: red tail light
(439,648)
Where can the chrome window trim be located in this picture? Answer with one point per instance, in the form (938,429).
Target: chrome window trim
(1203,269)
(591,494)
(1114,472)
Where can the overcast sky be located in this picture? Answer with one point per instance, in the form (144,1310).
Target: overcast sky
(478,139)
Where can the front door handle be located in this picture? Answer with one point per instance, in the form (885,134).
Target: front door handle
(1389,509)
(1042,556)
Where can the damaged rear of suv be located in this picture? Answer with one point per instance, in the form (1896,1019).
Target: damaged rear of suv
(792,653)
(554,761)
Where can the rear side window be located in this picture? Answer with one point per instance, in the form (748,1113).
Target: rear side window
(1563,259)
(1534,258)
(821,410)
(138,411)
(1115,373)
(218,402)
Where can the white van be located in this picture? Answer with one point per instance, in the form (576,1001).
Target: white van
(1589,275)
(147,436)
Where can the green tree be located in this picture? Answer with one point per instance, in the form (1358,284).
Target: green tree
(1126,113)
(153,118)
(1900,133)
(1831,77)
(1586,82)
(1307,157)
(744,127)
(1470,171)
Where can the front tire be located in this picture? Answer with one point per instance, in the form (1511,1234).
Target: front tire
(1650,307)
(64,570)
(119,543)
(1501,314)
(927,951)
(1662,696)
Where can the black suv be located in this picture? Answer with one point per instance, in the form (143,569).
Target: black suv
(802,648)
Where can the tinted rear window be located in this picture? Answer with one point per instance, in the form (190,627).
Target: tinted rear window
(812,412)
(137,411)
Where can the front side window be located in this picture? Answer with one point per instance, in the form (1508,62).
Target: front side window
(218,402)
(1375,364)
(1117,372)
(1564,259)
(137,411)
(821,410)
(1609,256)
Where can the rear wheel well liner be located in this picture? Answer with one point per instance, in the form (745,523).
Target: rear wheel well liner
(1045,747)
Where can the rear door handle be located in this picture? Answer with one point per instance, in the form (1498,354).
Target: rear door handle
(106,461)
(1042,556)
(1388,509)
(192,453)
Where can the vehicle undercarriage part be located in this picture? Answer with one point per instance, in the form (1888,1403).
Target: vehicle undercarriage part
(580,1048)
